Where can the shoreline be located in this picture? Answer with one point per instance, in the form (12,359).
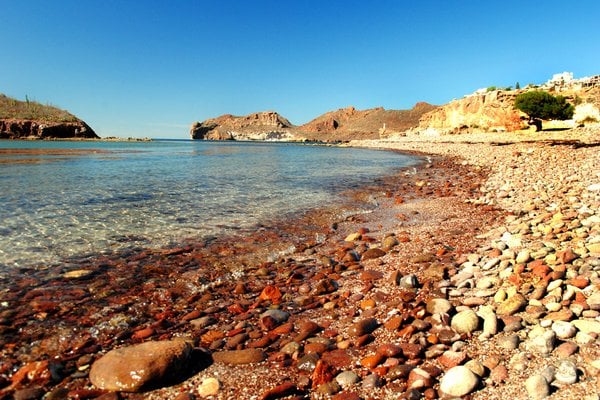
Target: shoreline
(437,233)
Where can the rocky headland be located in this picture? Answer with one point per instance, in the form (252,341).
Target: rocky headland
(267,125)
(32,120)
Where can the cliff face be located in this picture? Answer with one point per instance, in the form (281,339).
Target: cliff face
(266,125)
(28,129)
(32,120)
(350,124)
(491,111)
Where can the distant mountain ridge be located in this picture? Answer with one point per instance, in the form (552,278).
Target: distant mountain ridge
(339,125)
(32,120)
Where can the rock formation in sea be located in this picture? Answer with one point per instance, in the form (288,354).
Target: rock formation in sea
(32,120)
(267,125)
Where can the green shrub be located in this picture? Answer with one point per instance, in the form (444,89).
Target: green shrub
(539,105)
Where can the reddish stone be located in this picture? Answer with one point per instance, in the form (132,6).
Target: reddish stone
(143,333)
(346,396)
(393,323)
(323,373)
(288,327)
(271,293)
(411,350)
(338,358)
(370,275)
(566,349)
(371,361)
(538,268)
(315,347)
(407,331)
(191,315)
(499,374)
(566,256)
(389,350)
(283,390)
(579,282)
(451,359)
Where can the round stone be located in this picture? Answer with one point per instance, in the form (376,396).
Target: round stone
(465,321)
(566,373)
(543,343)
(563,329)
(537,387)
(438,306)
(459,381)
(209,387)
(347,378)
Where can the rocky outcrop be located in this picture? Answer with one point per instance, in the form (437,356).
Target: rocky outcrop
(267,125)
(32,120)
(340,125)
(350,124)
(490,111)
(32,129)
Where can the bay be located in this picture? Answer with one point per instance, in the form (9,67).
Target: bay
(61,199)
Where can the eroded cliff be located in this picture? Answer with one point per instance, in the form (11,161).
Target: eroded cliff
(267,125)
(32,120)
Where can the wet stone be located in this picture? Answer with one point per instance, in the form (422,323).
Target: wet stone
(347,378)
(363,327)
(371,381)
(129,369)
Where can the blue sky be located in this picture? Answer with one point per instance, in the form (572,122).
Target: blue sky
(151,68)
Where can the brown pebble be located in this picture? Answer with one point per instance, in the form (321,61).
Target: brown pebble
(499,374)
(362,327)
(411,350)
(393,323)
(306,329)
(566,349)
(371,361)
(372,254)
(315,347)
(237,357)
(389,350)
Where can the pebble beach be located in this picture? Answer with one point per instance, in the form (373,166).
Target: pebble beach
(476,276)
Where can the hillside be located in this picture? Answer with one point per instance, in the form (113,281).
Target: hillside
(32,120)
(493,110)
(352,124)
(340,125)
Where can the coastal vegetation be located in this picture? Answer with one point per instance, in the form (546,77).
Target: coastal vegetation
(539,105)
(11,108)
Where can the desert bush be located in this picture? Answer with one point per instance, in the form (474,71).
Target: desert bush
(586,113)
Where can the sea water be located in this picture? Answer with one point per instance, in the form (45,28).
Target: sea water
(66,199)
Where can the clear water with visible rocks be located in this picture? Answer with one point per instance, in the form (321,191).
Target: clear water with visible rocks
(68,199)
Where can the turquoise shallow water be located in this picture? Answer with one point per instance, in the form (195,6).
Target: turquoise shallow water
(64,199)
